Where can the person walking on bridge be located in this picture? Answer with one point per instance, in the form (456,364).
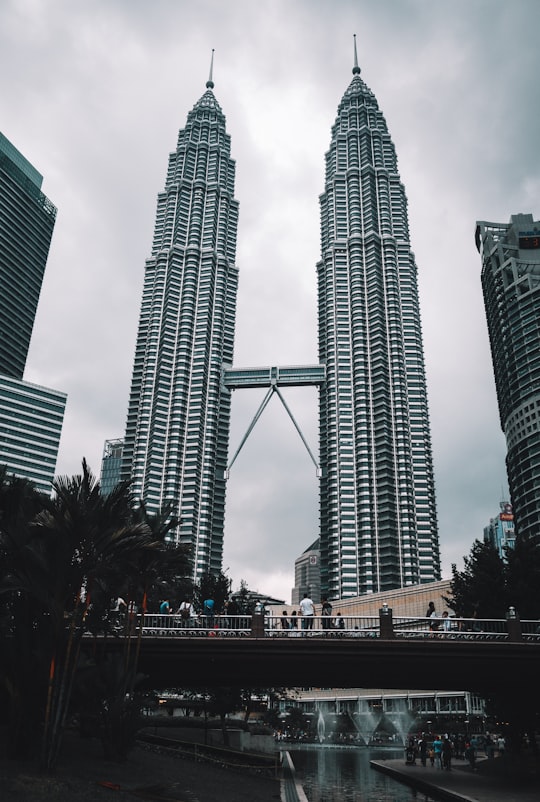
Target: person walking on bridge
(165,607)
(307,611)
(186,611)
(326,612)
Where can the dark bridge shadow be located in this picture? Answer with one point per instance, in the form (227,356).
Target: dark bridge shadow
(486,667)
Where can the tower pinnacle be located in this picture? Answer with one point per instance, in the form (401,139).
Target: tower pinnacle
(210,82)
(356,68)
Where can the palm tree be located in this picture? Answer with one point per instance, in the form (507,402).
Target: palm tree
(87,542)
(21,620)
(65,558)
(166,571)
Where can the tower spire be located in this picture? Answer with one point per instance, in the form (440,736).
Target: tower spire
(210,82)
(356,68)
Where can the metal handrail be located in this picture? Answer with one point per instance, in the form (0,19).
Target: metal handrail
(346,626)
(320,625)
(451,627)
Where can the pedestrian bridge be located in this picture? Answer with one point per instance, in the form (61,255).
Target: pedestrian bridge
(358,652)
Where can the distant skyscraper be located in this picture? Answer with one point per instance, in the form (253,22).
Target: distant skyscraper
(378,515)
(177,430)
(111,465)
(307,574)
(30,416)
(511,285)
(500,531)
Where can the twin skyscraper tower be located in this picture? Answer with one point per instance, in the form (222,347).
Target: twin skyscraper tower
(378,524)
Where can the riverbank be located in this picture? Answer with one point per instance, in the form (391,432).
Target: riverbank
(511,778)
(149,773)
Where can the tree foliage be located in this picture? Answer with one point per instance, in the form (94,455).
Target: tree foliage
(489,585)
(63,560)
(523,577)
(245,599)
(165,574)
(480,589)
(214,586)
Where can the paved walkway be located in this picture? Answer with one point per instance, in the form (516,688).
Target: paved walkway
(498,780)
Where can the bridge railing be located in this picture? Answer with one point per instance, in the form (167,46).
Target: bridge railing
(337,626)
(174,625)
(334,626)
(451,627)
(530,630)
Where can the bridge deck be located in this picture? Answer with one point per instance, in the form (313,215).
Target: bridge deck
(484,666)
(292,375)
(213,658)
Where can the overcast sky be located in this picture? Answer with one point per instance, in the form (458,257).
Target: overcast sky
(93,93)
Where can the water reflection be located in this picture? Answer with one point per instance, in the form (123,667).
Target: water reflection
(343,774)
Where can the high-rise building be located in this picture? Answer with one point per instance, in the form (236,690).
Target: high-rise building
(177,430)
(30,416)
(31,419)
(511,285)
(500,531)
(111,465)
(378,514)
(307,574)
(27,220)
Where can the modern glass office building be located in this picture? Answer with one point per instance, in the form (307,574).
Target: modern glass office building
(31,420)
(378,514)
(500,531)
(27,220)
(177,430)
(510,254)
(31,416)
(111,465)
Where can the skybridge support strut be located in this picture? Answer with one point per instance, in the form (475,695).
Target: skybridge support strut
(271,390)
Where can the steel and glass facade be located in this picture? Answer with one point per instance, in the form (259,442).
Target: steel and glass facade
(27,219)
(510,256)
(500,531)
(177,430)
(378,515)
(31,416)
(111,465)
(31,420)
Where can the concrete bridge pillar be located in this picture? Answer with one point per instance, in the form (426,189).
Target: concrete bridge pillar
(257,625)
(513,625)
(386,624)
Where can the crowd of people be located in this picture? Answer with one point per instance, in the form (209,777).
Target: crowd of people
(304,618)
(307,617)
(440,751)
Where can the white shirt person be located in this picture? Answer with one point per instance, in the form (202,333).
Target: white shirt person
(307,611)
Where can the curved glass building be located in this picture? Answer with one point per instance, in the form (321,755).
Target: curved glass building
(31,416)
(511,285)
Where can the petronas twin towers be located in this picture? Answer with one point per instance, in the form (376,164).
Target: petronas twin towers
(378,528)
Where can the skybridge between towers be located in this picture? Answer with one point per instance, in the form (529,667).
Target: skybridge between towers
(273,378)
